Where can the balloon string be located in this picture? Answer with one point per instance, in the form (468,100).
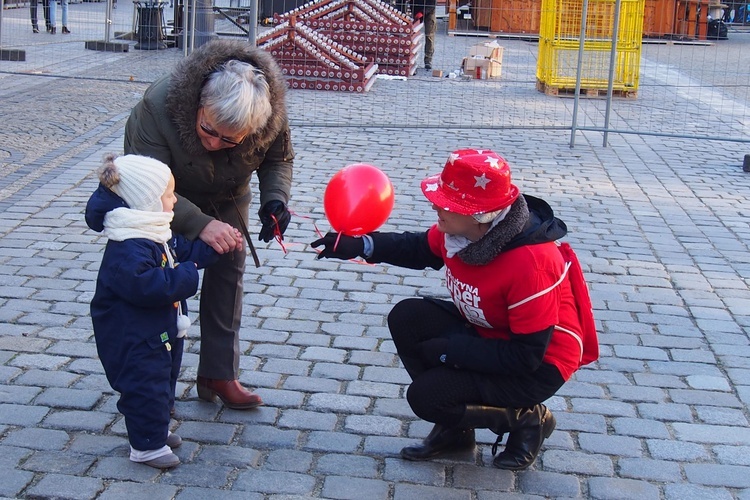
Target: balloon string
(277,234)
(336,244)
(279,238)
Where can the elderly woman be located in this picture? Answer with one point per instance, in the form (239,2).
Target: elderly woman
(220,116)
(513,333)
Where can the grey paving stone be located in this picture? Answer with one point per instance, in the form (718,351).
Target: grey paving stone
(668,412)
(129,490)
(663,449)
(18,394)
(281,398)
(264,436)
(288,460)
(430,473)
(578,462)
(186,474)
(549,484)
(120,467)
(729,476)
(207,432)
(338,403)
(716,434)
(721,416)
(336,371)
(355,487)
(58,485)
(191,493)
(44,378)
(312,384)
(59,462)
(301,419)
(232,456)
(37,439)
(265,481)
(21,415)
(333,442)
(347,465)
(649,469)
(76,420)
(61,397)
(621,489)
(603,407)
(373,425)
(622,446)
(420,492)
(640,428)
(694,492)
(14,482)
(374,389)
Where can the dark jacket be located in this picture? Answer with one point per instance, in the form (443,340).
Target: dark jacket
(136,290)
(163,126)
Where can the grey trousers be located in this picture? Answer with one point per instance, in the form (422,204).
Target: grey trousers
(221,304)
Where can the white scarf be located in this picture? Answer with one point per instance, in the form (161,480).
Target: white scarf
(454,243)
(123,224)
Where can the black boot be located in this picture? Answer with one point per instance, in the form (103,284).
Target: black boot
(440,440)
(529,427)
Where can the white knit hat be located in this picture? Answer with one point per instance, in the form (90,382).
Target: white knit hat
(139,180)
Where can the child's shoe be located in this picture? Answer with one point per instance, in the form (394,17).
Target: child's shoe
(164,462)
(174,441)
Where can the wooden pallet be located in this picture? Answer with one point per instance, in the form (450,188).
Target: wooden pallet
(584,92)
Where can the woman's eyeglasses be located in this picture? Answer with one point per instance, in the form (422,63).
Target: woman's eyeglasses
(214,133)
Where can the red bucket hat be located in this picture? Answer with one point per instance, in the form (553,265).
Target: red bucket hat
(473,181)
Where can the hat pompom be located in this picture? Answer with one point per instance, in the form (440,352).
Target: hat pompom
(108,173)
(183,323)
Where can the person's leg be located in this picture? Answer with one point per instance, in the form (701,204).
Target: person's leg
(143,382)
(220,322)
(430,28)
(52,14)
(64,6)
(45,11)
(33,10)
(412,321)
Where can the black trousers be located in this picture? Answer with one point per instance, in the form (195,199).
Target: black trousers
(439,394)
(33,10)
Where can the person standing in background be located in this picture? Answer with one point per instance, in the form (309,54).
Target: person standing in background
(424,10)
(51,27)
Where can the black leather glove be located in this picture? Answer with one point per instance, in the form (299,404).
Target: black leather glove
(349,247)
(277,209)
(433,351)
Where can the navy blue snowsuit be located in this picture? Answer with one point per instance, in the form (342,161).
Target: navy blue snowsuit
(134,313)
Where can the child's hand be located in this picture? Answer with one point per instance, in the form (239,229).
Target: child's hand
(239,239)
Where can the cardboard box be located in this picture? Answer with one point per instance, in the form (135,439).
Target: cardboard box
(489,50)
(490,68)
(437,73)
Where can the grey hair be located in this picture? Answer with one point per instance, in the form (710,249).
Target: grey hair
(237,97)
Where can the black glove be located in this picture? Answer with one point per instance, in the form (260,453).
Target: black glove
(433,351)
(349,247)
(277,209)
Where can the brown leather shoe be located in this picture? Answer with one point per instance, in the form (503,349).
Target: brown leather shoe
(231,393)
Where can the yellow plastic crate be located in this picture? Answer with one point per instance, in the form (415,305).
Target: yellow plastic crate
(559,42)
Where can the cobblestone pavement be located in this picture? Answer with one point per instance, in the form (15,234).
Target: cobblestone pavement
(661,226)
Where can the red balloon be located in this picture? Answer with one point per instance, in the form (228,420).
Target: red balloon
(358,199)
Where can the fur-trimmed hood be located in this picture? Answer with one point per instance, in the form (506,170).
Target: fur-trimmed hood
(188,77)
(530,221)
